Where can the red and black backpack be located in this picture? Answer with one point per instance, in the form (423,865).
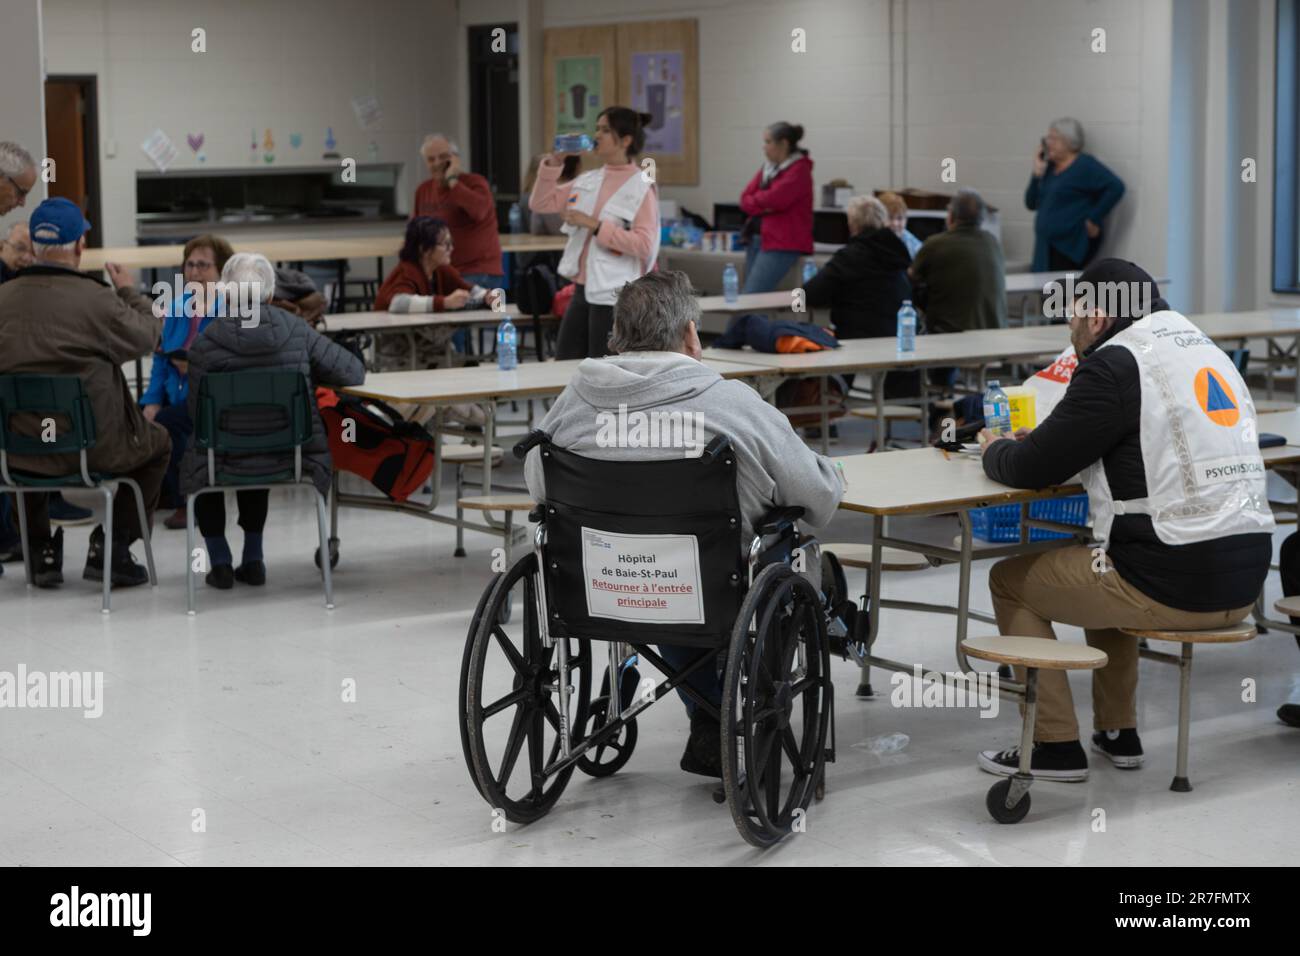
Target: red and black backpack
(394,455)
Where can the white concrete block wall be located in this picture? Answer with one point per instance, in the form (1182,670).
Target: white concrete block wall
(291,65)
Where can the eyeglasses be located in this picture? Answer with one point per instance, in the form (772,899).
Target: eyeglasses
(192,264)
(446,244)
(22,193)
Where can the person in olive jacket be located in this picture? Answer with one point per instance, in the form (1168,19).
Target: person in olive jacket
(274,339)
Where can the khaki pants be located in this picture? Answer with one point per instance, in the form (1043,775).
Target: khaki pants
(1032,591)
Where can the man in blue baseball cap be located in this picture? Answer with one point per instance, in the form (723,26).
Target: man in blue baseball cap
(57,320)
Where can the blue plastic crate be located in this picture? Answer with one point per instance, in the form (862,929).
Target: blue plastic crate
(1001,523)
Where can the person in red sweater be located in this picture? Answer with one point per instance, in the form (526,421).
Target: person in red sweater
(424,280)
(464,201)
(779,203)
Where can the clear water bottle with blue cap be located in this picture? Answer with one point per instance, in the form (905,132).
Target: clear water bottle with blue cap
(997,409)
(507,346)
(730,283)
(516,218)
(906,328)
(809,269)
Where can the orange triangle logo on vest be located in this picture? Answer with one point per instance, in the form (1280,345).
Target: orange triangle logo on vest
(1216,398)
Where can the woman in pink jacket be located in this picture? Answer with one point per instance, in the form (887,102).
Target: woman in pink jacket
(611,216)
(779,203)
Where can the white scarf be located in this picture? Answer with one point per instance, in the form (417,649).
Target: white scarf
(770,170)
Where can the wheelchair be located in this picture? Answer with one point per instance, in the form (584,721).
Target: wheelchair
(638,555)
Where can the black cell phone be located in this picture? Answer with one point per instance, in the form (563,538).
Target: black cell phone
(180,355)
(1042,149)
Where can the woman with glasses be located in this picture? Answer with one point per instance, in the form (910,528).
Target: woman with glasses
(424,280)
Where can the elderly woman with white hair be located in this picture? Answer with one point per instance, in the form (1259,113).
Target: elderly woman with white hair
(267,338)
(865,282)
(1072,191)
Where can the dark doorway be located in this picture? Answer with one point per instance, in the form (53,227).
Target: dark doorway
(494,110)
(72,141)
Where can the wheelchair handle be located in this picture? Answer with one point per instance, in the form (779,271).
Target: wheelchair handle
(534,437)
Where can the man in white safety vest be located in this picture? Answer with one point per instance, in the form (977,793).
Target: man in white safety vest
(1161,428)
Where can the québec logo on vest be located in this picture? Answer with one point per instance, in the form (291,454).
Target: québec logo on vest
(1216,398)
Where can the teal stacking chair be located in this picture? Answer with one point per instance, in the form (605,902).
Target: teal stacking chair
(28,405)
(263,411)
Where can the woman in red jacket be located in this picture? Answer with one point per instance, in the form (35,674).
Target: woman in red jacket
(779,203)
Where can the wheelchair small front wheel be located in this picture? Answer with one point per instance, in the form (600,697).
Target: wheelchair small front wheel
(509,716)
(776,703)
(996,802)
(610,757)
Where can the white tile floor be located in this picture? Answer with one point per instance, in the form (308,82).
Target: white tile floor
(238,712)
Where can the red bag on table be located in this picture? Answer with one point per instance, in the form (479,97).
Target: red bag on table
(394,455)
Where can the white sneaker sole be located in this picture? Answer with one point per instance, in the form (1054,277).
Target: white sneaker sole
(1124,763)
(988,765)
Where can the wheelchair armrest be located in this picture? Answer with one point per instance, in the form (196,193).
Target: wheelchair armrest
(778,520)
(537,514)
(535,437)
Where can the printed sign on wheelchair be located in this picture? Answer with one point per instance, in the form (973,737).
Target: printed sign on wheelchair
(642,578)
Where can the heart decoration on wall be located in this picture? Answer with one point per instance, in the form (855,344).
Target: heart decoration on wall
(195,140)
(295,140)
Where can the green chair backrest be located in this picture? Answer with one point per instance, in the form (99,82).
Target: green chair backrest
(52,412)
(261,410)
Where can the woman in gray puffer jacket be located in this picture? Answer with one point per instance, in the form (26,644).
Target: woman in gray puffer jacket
(278,340)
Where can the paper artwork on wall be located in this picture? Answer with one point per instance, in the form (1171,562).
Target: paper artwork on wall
(162,152)
(330,143)
(368,111)
(195,141)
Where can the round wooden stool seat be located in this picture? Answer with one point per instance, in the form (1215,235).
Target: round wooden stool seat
(1288,605)
(505,502)
(468,454)
(1215,635)
(894,559)
(894,412)
(1038,652)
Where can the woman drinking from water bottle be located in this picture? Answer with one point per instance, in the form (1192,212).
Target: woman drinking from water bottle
(611,216)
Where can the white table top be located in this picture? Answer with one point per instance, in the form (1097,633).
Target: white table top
(1021,282)
(387,321)
(926,481)
(306,249)
(949,348)
(748,302)
(449,386)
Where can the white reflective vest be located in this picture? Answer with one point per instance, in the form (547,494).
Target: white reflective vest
(1200,448)
(607,270)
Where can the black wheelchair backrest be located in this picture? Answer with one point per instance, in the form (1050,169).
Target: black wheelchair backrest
(643,551)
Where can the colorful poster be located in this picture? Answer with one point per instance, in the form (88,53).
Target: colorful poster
(578,93)
(657,90)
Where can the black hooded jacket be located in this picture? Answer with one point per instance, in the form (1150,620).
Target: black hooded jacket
(863,285)
(1099,418)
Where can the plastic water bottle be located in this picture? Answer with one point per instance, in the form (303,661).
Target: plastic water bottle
(809,269)
(885,744)
(516,218)
(730,283)
(507,346)
(906,328)
(997,409)
(573,143)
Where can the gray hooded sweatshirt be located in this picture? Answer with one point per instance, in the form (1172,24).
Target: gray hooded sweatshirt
(613,406)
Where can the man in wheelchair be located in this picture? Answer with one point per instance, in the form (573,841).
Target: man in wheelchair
(655,401)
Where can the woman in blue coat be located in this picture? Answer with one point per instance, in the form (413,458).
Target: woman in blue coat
(1072,191)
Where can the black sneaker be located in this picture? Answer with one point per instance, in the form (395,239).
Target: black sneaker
(1289,714)
(704,748)
(1122,747)
(47,561)
(11,549)
(222,577)
(64,512)
(1063,762)
(251,572)
(126,571)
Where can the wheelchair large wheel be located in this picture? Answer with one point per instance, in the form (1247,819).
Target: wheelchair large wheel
(776,706)
(510,700)
(464,674)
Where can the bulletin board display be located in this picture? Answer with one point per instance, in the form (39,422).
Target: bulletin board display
(651,66)
(658,73)
(579,79)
